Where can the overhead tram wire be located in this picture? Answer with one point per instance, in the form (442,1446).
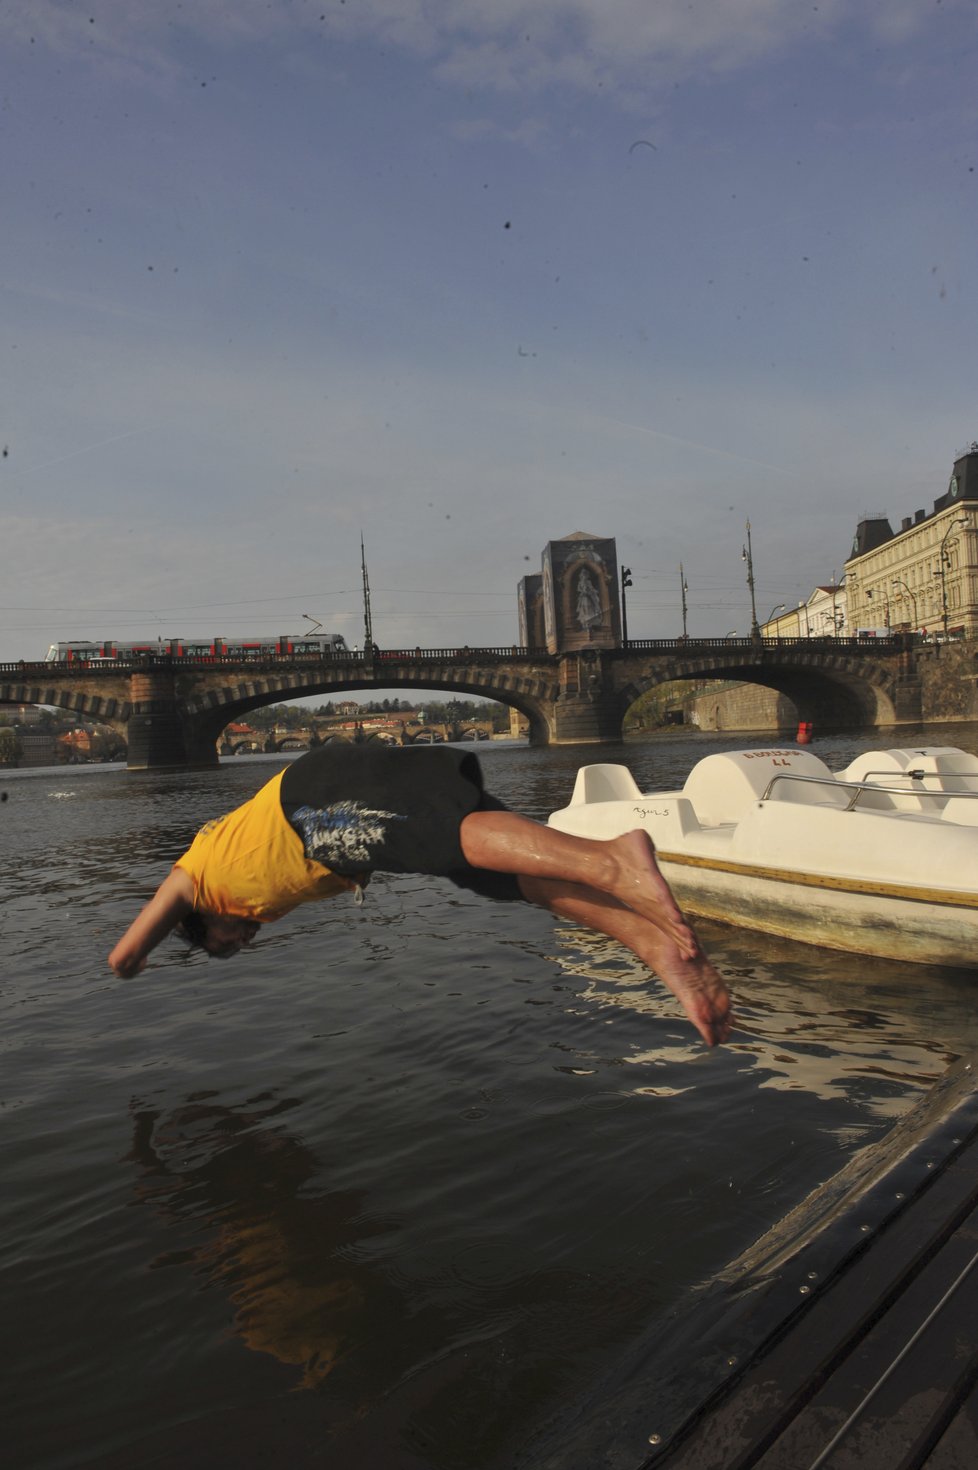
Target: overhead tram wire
(295,597)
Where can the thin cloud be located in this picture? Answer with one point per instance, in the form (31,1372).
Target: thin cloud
(625,47)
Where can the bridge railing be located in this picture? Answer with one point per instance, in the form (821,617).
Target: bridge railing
(671,645)
(497,654)
(374,661)
(58,668)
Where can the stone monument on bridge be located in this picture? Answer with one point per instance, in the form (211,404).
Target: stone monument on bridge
(533,626)
(573,603)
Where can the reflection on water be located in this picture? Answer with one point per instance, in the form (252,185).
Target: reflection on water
(283,1258)
(434,1163)
(844,1035)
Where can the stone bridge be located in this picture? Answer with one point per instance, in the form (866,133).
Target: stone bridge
(172,710)
(394,730)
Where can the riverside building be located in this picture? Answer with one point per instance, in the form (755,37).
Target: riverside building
(922,578)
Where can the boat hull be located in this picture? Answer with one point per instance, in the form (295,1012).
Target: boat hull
(864,918)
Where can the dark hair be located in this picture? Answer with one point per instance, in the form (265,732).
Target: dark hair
(193,928)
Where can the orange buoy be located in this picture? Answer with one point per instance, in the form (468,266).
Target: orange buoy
(804,736)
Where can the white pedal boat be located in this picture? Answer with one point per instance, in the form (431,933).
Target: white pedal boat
(879,859)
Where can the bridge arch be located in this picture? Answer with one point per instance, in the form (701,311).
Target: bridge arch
(826,689)
(211,708)
(87,705)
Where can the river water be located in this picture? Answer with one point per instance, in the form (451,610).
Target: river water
(390,1188)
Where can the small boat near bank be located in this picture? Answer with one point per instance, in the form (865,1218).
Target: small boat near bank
(879,859)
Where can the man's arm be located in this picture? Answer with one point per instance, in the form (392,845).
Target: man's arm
(172,900)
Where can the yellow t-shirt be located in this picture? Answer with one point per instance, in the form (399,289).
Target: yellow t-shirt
(251,863)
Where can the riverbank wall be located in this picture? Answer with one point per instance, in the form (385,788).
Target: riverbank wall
(743,707)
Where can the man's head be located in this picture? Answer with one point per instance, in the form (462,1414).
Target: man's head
(221,935)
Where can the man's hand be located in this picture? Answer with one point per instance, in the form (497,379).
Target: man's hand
(126,965)
(170,902)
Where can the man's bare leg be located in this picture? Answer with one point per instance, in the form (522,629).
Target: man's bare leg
(623,867)
(693,980)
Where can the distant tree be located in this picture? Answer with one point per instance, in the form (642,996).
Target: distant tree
(439,713)
(282,716)
(10,747)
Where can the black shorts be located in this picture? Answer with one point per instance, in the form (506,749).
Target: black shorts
(391,809)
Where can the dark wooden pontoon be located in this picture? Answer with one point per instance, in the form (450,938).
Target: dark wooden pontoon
(847,1337)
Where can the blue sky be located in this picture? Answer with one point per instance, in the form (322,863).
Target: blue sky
(467,277)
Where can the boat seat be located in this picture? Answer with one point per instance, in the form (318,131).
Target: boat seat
(604,783)
(961,809)
(946,770)
(721,787)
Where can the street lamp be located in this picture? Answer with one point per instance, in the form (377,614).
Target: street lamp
(899,582)
(747,556)
(683,588)
(626,581)
(779,608)
(368,627)
(945,562)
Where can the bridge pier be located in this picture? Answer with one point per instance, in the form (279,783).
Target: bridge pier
(908,693)
(158,737)
(587,710)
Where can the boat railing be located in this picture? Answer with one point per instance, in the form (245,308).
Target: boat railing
(862,787)
(916,775)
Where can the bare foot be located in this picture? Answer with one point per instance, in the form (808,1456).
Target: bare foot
(700,991)
(691,978)
(643,889)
